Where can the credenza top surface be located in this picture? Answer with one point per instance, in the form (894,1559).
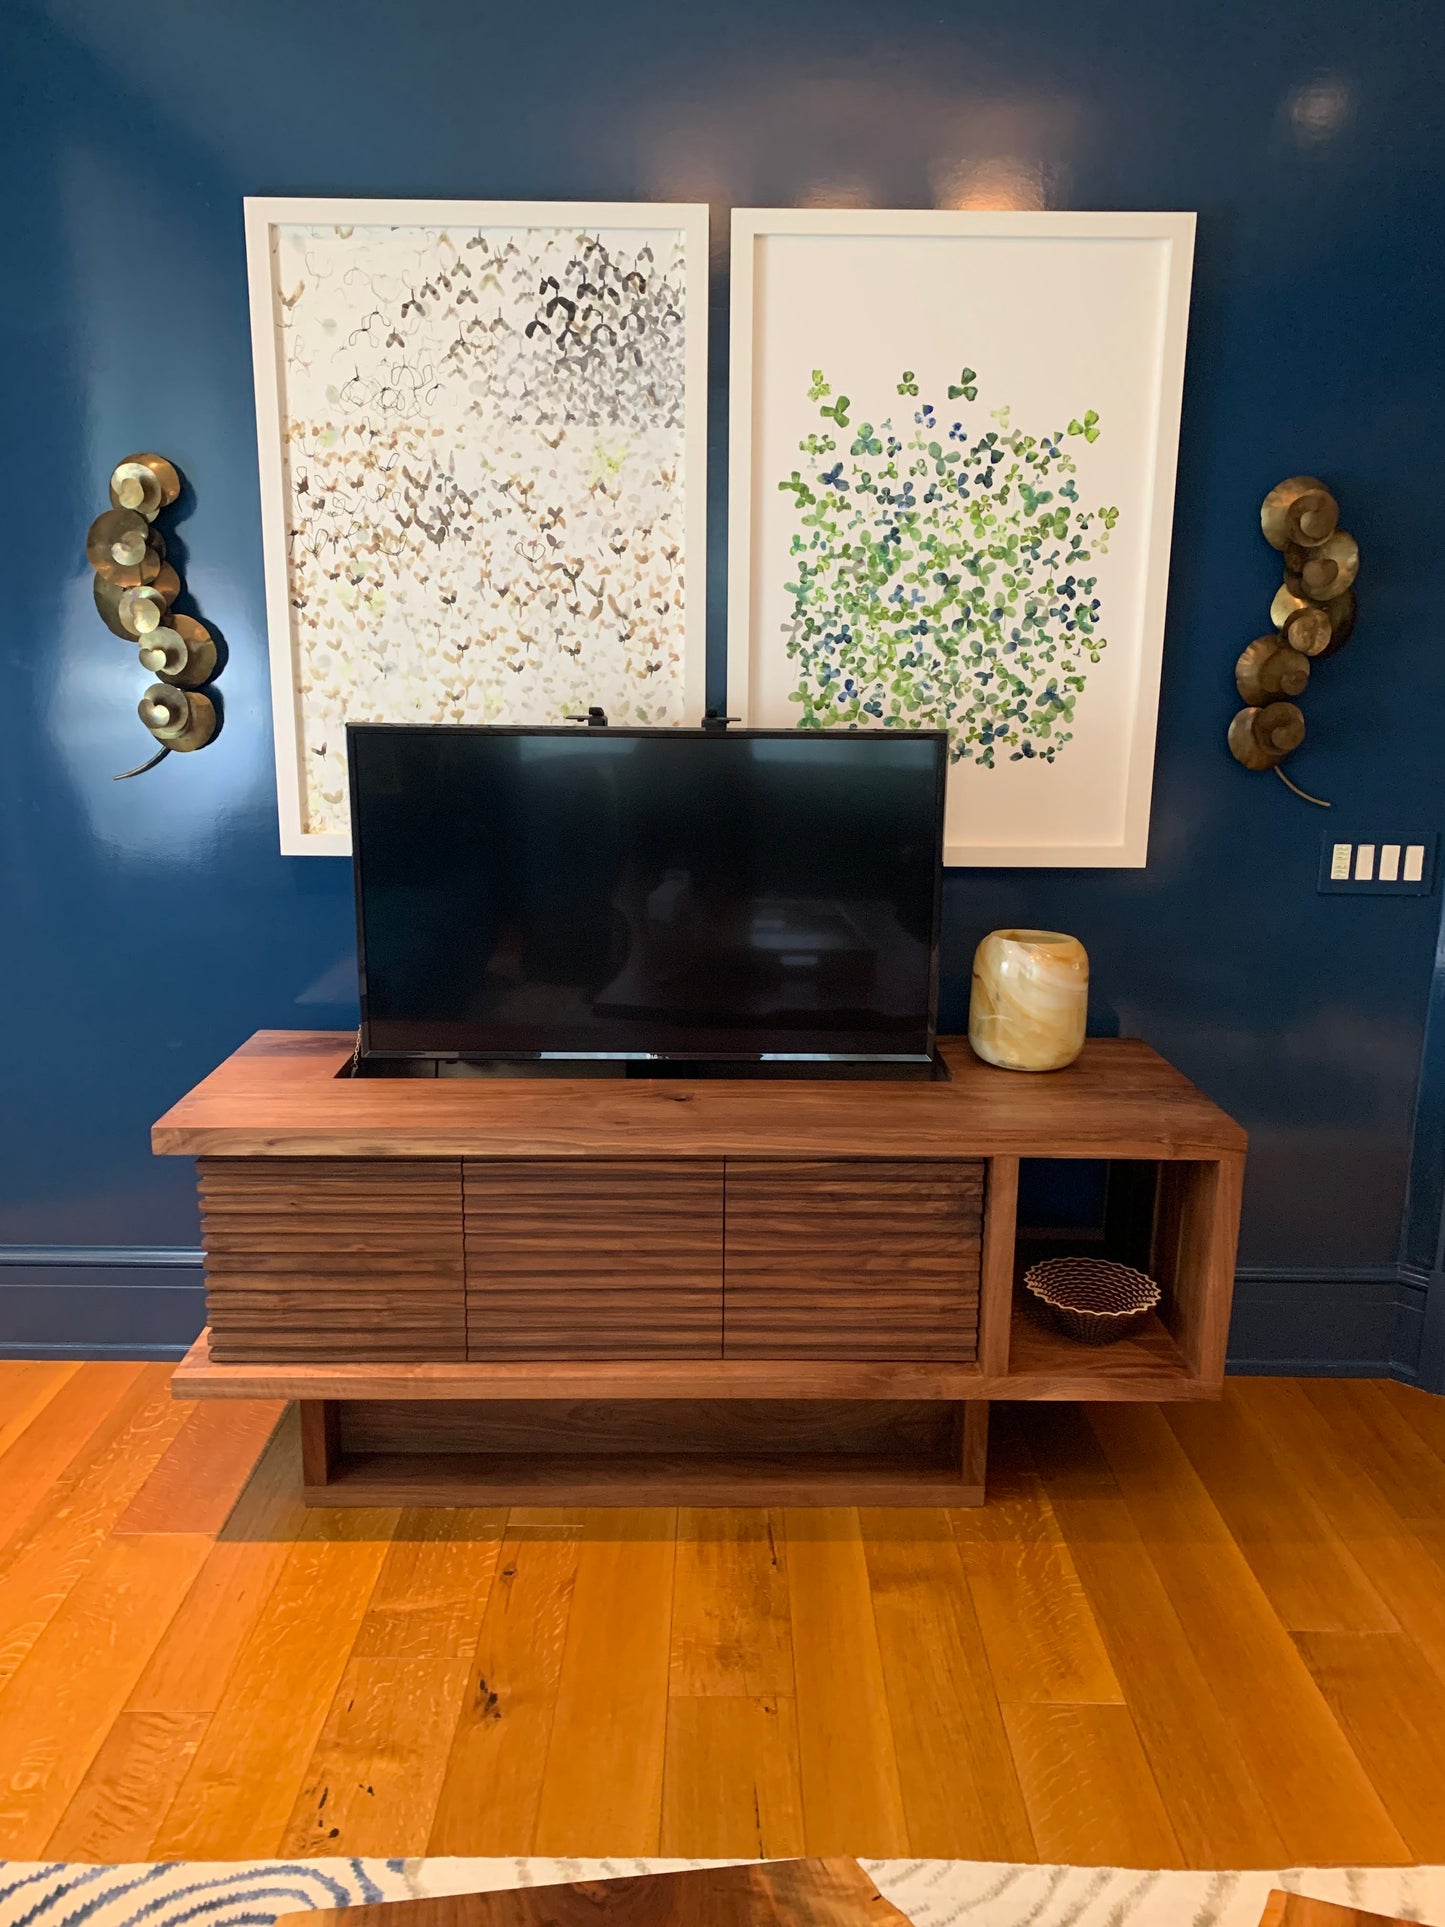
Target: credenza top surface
(280,1095)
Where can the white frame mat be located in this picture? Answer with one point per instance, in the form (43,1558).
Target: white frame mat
(1077,325)
(651,561)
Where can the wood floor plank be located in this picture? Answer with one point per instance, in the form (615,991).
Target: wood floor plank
(432,1592)
(492,1785)
(188,1671)
(50,1554)
(65,1697)
(1424,1410)
(373,1782)
(1395,1559)
(1307,1573)
(1316,1792)
(730,1627)
(27,1386)
(204,1470)
(130,1783)
(1392,1705)
(731,1785)
(1037,1625)
(1091,1797)
(1381,1439)
(239,1793)
(602,1793)
(960,1790)
(1213,1804)
(852,1797)
(85,1411)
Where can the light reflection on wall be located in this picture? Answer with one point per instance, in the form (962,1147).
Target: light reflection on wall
(1003,182)
(1318,109)
(803,141)
(844,192)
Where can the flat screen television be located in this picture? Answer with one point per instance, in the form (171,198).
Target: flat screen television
(647,896)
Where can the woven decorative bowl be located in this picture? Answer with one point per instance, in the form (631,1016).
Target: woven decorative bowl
(1093,1299)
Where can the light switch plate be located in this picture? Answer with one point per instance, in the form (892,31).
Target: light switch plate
(1387,863)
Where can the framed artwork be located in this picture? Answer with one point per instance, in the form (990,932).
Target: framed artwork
(483,444)
(953,446)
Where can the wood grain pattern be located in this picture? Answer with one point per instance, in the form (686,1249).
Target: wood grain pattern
(333,1258)
(831,1259)
(128,1786)
(1298,1910)
(492,1782)
(204,1470)
(1392,1706)
(1397,1562)
(372,1784)
(85,1411)
(1196,1234)
(634,1452)
(851,1790)
(54,1550)
(603,1792)
(1106,1815)
(900,1430)
(960,1789)
(732,1786)
(730,1628)
(433,1587)
(788,1893)
(242,1782)
(996,1266)
(1039,1632)
(168,1706)
(1147,1367)
(200,1376)
(63,1701)
(629,1480)
(188,1670)
(1313,1582)
(1311,1781)
(1214,1806)
(607,1258)
(280,1096)
(27,1386)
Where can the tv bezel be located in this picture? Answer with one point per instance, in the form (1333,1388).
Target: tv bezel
(700,733)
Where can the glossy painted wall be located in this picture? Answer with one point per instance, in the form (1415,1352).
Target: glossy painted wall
(149,926)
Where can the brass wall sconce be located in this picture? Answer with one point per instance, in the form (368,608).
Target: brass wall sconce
(1313,613)
(135,588)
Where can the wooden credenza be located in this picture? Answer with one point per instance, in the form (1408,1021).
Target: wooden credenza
(648,1290)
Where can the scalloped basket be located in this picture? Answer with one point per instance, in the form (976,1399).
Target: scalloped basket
(1094,1300)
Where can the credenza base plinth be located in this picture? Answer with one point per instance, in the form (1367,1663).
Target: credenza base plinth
(631,1453)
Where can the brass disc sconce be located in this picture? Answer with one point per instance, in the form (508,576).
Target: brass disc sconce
(1313,613)
(135,588)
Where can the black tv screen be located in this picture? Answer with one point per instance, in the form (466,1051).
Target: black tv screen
(673,893)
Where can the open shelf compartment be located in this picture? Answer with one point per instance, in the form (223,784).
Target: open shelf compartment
(1175,1219)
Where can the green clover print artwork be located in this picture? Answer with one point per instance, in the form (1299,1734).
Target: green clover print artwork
(944,573)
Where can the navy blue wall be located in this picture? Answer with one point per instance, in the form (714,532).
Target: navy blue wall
(151,925)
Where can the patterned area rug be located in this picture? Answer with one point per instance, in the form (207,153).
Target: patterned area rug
(933,1893)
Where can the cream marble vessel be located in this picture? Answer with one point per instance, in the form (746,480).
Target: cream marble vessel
(1030,999)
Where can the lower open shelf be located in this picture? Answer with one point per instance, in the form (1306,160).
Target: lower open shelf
(638,1479)
(1045,1363)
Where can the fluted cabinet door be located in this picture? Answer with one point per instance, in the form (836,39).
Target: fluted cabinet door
(874,1258)
(594,1258)
(333,1260)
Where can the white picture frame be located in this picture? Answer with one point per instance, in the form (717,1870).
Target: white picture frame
(843,292)
(269,222)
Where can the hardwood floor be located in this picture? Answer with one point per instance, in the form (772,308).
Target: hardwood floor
(1200,1635)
